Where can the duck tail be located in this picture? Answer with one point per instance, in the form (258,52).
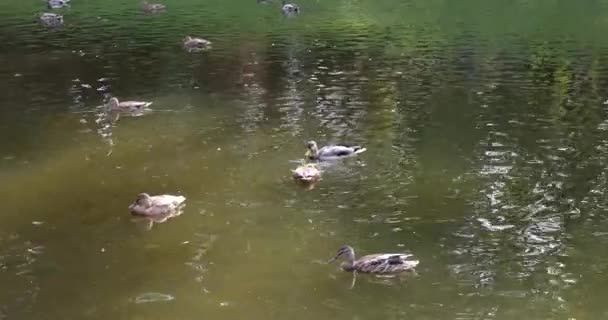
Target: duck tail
(359,149)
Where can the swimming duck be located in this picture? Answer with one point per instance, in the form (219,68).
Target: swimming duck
(159,205)
(153,7)
(290,9)
(134,108)
(196,44)
(127,106)
(51,19)
(381,263)
(331,152)
(58,4)
(307,175)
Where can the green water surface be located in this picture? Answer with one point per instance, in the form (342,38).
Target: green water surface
(487,138)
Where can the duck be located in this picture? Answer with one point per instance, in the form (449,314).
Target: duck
(135,108)
(196,44)
(331,152)
(127,106)
(380,263)
(153,7)
(307,175)
(51,19)
(58,4)
(290,9)
(159,205)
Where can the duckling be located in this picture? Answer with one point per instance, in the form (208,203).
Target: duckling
(51,19)
(331,152)
(159,205)
(58,4)
(153,7)
(290,9)
(196,44)
(381,263)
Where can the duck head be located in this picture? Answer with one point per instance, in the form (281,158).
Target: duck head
(306,173)
(345,251)
(143,199)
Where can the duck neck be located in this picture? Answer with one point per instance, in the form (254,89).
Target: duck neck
(349,260)
(314,152)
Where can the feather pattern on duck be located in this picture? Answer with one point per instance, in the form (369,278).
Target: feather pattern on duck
(196,44)
(57,4)
(290,9)
(153,7)
(51,20)
(332,152)
(127,106)
(382,263)
(146,205)
(307,173)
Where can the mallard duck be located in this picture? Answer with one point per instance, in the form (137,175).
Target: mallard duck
(307,174)
(127,106)
(134,108)
(381,263)
(196,44)
(58,4)
(51,19)
(159,205)
(153,7)
(290,9)
(331,152)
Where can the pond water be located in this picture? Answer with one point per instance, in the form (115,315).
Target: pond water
(487,147)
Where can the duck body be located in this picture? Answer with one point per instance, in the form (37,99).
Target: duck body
(290,9)
(381,263)
(153,7)
(50,19)
(58,4)
(331,152)
(196,44)
(307,173)
(127,106)
(159,205)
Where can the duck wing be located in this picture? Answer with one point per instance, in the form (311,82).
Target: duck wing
(385,263)
(134,104)
(339,151)
(169,201)
(159,205)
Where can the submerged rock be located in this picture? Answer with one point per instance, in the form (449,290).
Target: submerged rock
(153,297)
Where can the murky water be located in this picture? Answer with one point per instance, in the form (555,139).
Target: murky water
(487,137)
